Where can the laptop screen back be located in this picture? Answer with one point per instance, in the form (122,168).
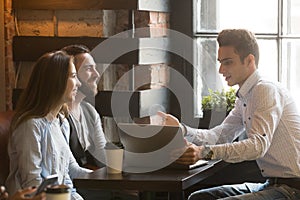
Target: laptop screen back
(150,146)
(148,138)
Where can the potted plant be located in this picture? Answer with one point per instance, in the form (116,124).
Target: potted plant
(216,106)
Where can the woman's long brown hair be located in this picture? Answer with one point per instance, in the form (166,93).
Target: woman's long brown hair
(45,89)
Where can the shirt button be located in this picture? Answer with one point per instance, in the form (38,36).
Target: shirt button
(249,118)
(262,171)
(245,105)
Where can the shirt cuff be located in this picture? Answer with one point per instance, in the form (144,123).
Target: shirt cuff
(189,133)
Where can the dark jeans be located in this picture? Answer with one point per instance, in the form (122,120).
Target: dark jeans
(248,191)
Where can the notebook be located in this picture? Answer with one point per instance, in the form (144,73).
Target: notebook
(153,146)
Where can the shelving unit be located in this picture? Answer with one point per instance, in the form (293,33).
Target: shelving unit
(141,101)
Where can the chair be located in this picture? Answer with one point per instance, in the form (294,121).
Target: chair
(5,120)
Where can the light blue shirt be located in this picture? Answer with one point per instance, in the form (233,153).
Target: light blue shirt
(38,148)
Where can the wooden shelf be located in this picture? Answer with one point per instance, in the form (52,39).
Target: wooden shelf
(142,103)
(143,51)
(143,5)
(139,104)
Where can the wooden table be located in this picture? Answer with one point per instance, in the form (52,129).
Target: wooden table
(173,181)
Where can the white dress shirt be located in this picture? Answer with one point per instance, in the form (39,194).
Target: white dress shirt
(268,114)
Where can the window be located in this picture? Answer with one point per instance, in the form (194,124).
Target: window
(275,23)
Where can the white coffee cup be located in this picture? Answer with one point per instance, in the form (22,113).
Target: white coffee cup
(114,160)
(58,192)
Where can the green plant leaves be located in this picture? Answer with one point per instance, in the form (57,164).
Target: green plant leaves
(219,100)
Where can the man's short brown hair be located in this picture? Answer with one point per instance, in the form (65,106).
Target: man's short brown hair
(243,41)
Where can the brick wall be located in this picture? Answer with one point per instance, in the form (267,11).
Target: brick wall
(9,32)
(96,23)
(84,23)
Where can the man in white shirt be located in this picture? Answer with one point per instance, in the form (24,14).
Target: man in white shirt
(268,114)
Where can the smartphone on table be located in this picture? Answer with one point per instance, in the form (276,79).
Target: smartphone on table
(48,181)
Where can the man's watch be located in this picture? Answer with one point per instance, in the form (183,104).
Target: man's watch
(207,153)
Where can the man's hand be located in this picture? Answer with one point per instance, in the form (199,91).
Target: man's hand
(167,119)
(191,155)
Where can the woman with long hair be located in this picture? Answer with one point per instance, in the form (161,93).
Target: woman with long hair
(38,146)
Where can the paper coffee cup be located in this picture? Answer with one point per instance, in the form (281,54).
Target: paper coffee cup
(58,192)
(114,160)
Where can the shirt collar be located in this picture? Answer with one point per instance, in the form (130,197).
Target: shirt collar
(248,84)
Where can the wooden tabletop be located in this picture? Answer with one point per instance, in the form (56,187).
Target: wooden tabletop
(168,180)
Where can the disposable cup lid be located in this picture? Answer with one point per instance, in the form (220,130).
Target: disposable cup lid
(58,189)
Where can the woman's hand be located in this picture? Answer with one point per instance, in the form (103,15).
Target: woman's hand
(3,193)
(22,195)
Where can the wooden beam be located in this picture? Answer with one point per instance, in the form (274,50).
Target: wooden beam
(36,46)
(2,60)
(154,5)
(139,104)
(145,5)
(141,51)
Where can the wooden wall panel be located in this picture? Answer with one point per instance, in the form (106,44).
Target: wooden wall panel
(137,103)
(144,50)
(149,5)
(134,104)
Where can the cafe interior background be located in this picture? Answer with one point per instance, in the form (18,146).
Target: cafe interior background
(142,76)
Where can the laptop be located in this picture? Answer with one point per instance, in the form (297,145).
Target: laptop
(152,147)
